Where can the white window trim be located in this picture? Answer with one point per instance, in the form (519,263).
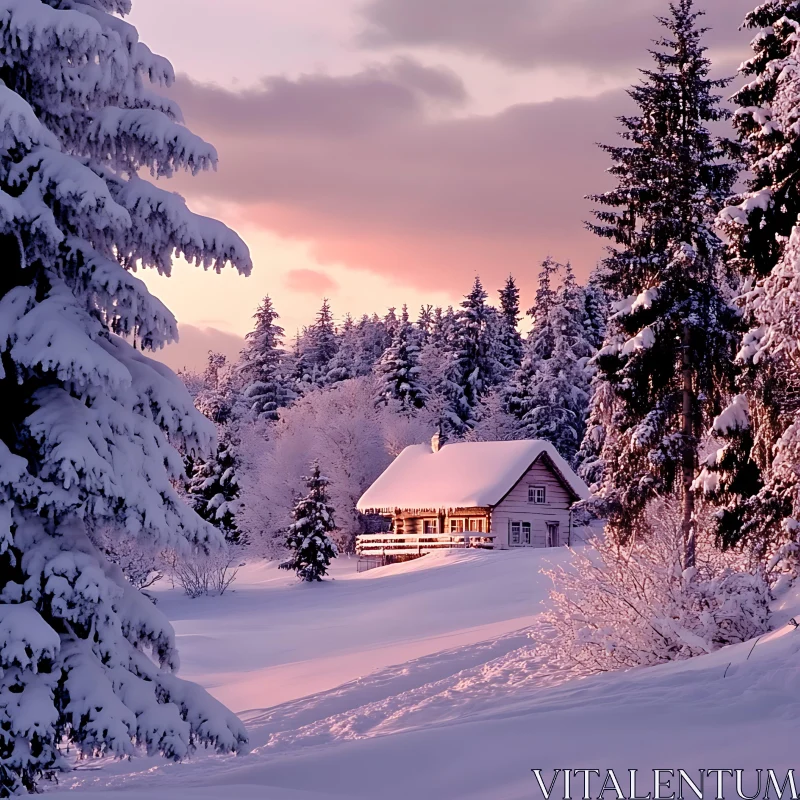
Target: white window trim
(430,521)
(533,491)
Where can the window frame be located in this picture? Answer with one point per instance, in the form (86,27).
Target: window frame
(455,522)
(518,541)
(478,521)
(432,521)
(533,494)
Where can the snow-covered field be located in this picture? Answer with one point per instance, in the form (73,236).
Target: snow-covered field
(420,680)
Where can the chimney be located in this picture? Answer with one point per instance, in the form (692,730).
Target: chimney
(439,440)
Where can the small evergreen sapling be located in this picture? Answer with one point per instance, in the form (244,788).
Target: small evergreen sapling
(309,540)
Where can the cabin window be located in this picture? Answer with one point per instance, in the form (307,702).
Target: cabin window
(516,533)
(476,525)
(553,537)
(456,526)
(537,494)
(430,526)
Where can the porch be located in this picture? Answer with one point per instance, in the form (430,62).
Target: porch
(407,544)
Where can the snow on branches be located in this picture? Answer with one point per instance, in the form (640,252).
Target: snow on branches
(91,425)
(309,538)
(617,607)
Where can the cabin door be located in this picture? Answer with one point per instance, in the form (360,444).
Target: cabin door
(553,534)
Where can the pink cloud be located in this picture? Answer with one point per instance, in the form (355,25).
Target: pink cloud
(422,201)
(310,281)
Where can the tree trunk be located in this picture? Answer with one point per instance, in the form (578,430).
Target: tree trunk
(688,527)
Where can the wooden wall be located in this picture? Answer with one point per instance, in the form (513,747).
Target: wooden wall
(516,508)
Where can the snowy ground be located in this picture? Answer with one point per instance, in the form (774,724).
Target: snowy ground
(420,680)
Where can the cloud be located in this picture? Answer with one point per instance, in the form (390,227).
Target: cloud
(423,201)
(191,351)
(379,96)
(604,35)
(310,281)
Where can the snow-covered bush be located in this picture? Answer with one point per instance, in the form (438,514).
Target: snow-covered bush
(617,607)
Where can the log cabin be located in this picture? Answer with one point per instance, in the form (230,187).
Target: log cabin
(497,495)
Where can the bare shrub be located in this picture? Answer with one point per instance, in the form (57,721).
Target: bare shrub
(200,574)
(139,563)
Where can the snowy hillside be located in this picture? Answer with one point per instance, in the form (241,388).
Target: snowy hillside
(420,680)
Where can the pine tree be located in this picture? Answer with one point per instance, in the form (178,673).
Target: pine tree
(372,342)
(668,352)
(545,298)
(551,396)
(216,397)
(297,367)
(309,540)
(754,474)
(510,347)
(320,345)
(342,366)
(399,371)
(90,423)
(596,312)
(213,488)
(261,365)
(539,345)
(473,368)
(425,322)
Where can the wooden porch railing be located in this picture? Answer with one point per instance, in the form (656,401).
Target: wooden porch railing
(386,544)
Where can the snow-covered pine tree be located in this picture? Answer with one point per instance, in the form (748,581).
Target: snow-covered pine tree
(213,488)
(509,344)
(309,537)
(473,367)
(667,355)
(390,322)
(754,474)
(399,371)
(320,345)
(556,392)
(343,365)
(216,396)
(596,311)
(89,422)
(261,365)
(372,342)
(539,344)
(425,322)
(297,368)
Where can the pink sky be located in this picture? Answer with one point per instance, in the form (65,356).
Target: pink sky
(382,152)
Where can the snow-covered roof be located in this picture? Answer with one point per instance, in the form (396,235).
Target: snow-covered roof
(461,475)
